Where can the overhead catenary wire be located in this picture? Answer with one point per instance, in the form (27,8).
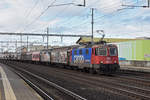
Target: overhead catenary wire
(40,15)
(107,7)
(58,14)
(36,3)
(69,4)
(63,23)
(147,5)
(81,24)
(61,12)
(68,20)
(117,13)
(113,12)
(28,14)
(119,21)
(84,11)
(66,7)
(97,18)
(87,22)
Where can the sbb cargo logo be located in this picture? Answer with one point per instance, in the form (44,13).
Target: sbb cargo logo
(79,59)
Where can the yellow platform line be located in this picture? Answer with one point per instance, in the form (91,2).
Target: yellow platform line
(9,93)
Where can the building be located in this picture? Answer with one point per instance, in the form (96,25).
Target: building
(85,40)
(32,48)
(134,50)
(108,40)
(37,48)
(21,49)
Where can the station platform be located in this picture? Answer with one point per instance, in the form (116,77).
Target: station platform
(12,87)
(135,68)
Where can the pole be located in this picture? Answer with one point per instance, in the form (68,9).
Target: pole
(148,3)
(84,3)
(7,45)
(92,25)
(21,43)
(16,46)
(47,37)
(27,43)
(1,47)
(61,39)
(16,50)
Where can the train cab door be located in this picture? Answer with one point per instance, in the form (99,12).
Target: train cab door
(93,56)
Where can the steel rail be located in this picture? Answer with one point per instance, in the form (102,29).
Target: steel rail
(113,88)
(74,95)
(118,89)
(135,78)
(129,91)
(32,84)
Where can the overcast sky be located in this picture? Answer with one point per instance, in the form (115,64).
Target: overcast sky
(116,20)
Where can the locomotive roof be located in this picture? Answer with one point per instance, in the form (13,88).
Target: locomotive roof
(107,45)
(96,45)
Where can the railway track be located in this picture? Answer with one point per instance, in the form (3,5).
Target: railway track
(35,87)
(127,90)
(115,87)
(131,91)
(145,75)
(46,96)
(139,81)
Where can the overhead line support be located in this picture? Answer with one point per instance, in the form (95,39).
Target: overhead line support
(147,6)
(92,25)
(47,37)
(39,34)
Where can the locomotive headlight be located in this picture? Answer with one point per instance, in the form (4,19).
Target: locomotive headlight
(115,61)
(101,62)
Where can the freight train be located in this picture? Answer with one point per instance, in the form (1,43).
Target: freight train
(95,58)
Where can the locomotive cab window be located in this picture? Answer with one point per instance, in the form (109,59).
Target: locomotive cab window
(113,52)
(100,51)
